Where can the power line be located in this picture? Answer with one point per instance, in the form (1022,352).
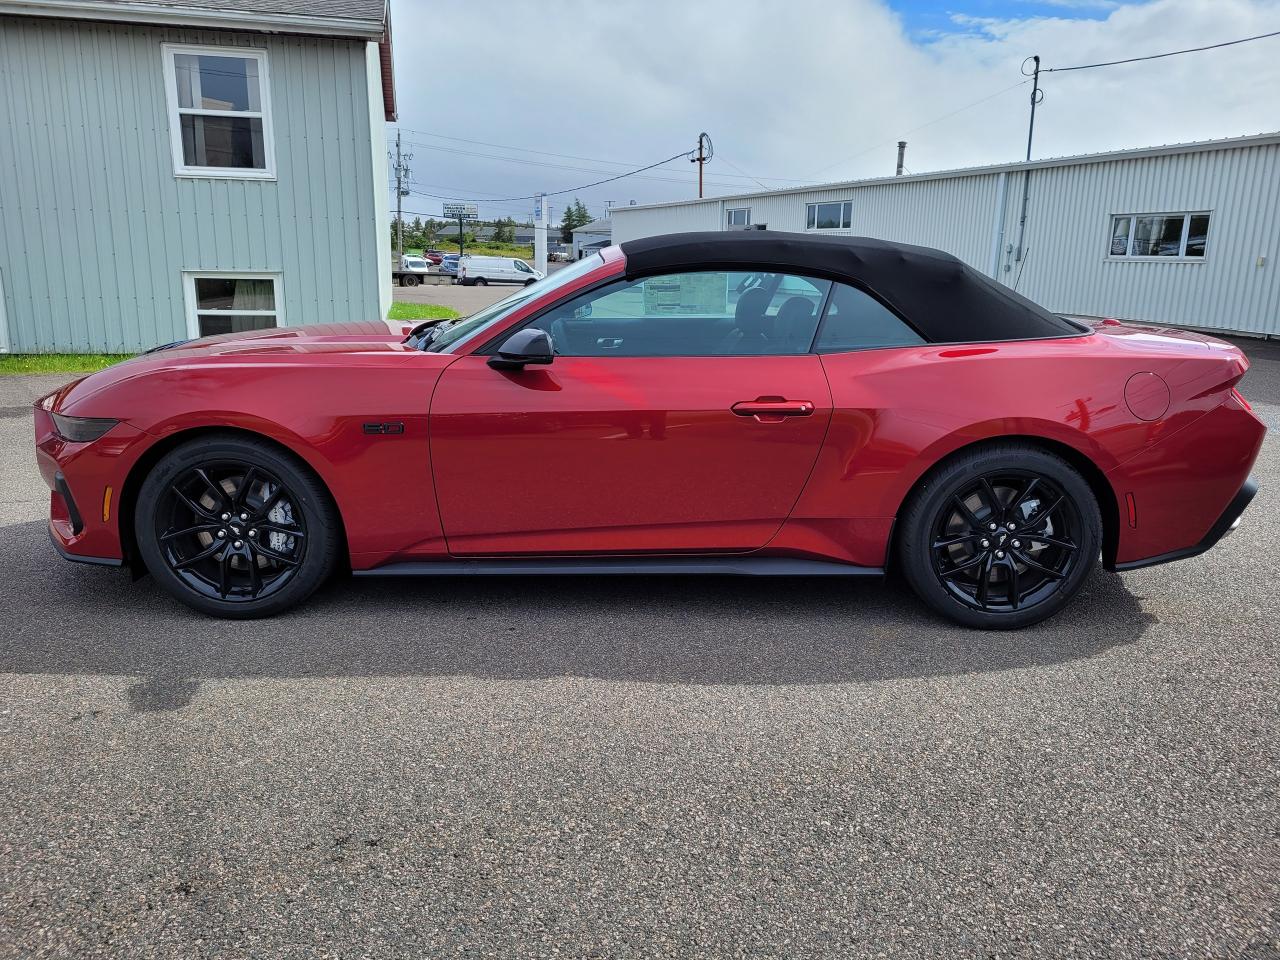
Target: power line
(556,193)
(715,180)
(548,153)
(1157,56)
(927,123)
(745,174)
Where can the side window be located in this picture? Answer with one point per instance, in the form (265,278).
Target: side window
(705,314)
(858,321)
(522,266)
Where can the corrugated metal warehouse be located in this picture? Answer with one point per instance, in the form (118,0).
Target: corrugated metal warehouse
(1186,234)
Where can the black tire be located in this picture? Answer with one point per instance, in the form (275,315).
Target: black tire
(190,533)
(529,283)
(482,282)
(410,280)
(1017,517)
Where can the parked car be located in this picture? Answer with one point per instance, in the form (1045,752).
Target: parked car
(855,405)
(434,256)
(449,264)
(411,271)
(484,270)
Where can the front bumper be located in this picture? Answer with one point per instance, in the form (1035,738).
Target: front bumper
(83,521)
(1224,525)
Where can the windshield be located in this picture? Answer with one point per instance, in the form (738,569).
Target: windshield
(455,331)
(414,262)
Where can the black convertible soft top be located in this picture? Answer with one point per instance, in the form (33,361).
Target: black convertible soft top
(944,298)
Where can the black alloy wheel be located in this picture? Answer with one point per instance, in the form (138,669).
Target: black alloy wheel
(1001,538)
(234,527)
(1005,540)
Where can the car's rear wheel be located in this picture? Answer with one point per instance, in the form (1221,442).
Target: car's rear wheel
(1000,538)
(233,527)
(482,282)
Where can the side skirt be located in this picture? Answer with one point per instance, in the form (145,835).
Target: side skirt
(626,566)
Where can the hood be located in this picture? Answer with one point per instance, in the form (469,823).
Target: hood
(321,337)
(329,344)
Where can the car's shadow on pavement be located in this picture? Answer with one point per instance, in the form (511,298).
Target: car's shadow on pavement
(72,619)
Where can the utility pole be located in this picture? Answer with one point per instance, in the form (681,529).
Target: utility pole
(1036,96)
(402,191)
(902,156)
(705,152)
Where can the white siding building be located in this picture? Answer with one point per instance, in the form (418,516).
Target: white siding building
(1187,234)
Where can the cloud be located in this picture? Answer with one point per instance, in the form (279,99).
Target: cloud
(821,90)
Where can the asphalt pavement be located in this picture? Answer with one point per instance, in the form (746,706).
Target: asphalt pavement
(638,768)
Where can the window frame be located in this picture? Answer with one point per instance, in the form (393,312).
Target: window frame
(193,311)
(819,203)
(729,211)
(491,346)
(169,55)
(1182,257)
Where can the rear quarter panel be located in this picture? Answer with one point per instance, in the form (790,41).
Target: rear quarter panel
(899,411)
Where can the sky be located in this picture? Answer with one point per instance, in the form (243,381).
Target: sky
(501,99)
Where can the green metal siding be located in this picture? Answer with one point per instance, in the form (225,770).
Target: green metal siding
(95,229)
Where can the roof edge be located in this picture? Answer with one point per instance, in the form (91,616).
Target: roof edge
(208,17)
(1129,153)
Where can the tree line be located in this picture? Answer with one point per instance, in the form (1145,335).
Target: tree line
(426,233)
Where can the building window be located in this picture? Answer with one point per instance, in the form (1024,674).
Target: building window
(222,303)
(737,217)
(837,215)
(1177,236)
(219,112)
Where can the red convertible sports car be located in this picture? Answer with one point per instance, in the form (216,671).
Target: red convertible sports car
(742,403)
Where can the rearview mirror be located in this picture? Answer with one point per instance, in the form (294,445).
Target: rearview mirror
(529,345)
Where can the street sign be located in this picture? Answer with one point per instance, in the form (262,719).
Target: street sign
(537,208)
(461,211)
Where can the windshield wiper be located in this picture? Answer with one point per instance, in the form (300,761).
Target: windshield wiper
(426,331)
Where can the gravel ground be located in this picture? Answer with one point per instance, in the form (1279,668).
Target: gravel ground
(651,767)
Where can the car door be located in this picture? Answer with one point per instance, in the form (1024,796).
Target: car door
(682,413)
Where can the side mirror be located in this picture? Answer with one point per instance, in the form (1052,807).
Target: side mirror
(526,346)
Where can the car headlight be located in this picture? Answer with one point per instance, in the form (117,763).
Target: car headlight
(81,429)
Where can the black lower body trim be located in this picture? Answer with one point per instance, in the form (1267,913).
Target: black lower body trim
(73,512)
(68,555)
(725,566)
(1221,527)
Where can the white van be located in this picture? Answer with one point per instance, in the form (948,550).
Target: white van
(483,270)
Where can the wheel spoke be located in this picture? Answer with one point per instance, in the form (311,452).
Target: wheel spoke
(242,491)
(962,567)
(993,502)
(276,528)
(1014,597)
(1051,541)
(271,501)
(204,554)
(224,574)
(255,575)
(984,580)
(969,515)
(1022,497)
(1040,516)
(278,557)
(219,494)
(193,505)
(1037,566)
(198,528)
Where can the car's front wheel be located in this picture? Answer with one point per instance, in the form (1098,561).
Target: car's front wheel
(233,527)
(1001,537)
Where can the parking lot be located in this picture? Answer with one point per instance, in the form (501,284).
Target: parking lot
(638,767)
